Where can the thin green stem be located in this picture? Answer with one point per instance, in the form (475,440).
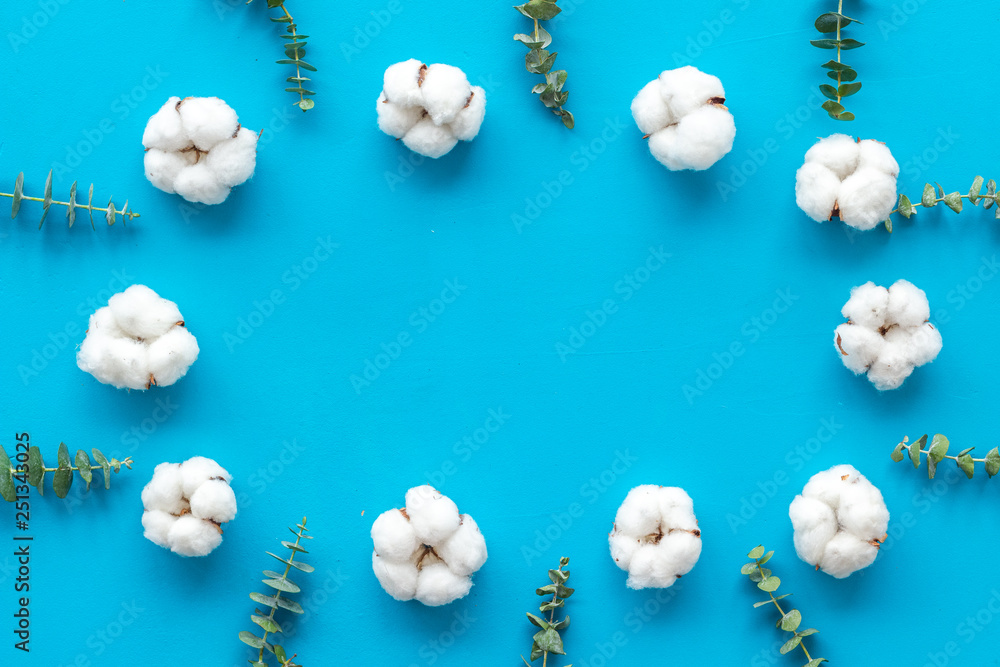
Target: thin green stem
(781,611)
(86,207)
(127,463)
(938,200)
(291,25)
(840,12)
(284,577)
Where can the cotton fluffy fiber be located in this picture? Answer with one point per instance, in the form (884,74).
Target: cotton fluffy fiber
(682,114)
(136,341)
(853,180)
(840,521)
(887,333)
(196,148)
(655,536)
(185,505)
(427,551)
(430,107)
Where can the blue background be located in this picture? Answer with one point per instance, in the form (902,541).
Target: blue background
(278,408)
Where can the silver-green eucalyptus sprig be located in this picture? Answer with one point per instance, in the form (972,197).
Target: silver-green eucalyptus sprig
(34,471)
(281,585)
(938,451)
(109,211)
(540,61)
(843,75)
(547,640)
(295,50)
(790,620)
(932,196)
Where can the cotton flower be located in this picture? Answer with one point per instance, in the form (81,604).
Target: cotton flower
(887,333)
(185,505)
(430,107)
(655,536)
(682,114)
(840,521)
(849,179)
(427,551)
(196,148)
(136,341)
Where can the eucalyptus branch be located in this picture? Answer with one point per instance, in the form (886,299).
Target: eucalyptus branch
(938,451)
(295,49)
(789,621)
(953,200)
(540,61)
(34,471)
(109,211)
(843,75)
(547,639)
(281,584)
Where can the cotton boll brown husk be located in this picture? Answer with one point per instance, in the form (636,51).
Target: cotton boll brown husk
(184,505)
(853,180)
(683,116)
(427,550)
(431,108)
(196,148)
(138,340)
(840,521)
(655,537)
(887,334)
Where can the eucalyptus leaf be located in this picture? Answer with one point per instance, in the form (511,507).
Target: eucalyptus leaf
(105,466)
(977,187)
(36,469)
(954,201)
(992,462)
(63,476)
(848,89)
(83,467)
(790,644)
(966,465)
(790,621)
(938,449)
(7,487)
(848,44)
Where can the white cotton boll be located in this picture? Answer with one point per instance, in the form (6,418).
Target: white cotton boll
(445,91)
(465,550)
(193,537)
(866,198)
(868,305)
(165,491)
(925,344)
(816,190)
(199,469)
(162,168)
(156,526)
(891,368)
(877,155)
(170,356)
(233,161)
(662,145)
(401,83)
(121,362)
(394,119)
(164,130)
(815,525)
(438,585)
(200,185)
(207,121)
(394,537)
(214,500)
(704,136)
(429,140)
(398,579)
(142,313)
(649,109)
(465,126)
(434,516)
(838,153)
(858,346)
(655,536)
(845,554)
(907,305)
(687,88)
(103,322)
(839,520)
